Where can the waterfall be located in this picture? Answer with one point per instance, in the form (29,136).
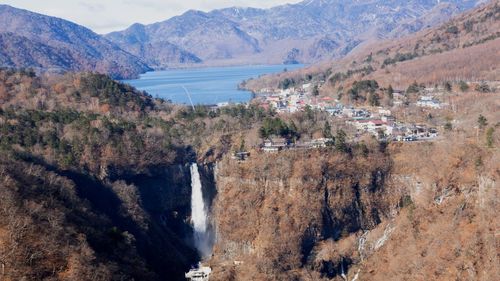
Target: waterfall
(199,216)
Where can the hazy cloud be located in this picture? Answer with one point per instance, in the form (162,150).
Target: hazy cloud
(111,15)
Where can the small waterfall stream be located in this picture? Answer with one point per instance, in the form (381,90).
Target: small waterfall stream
(199,214)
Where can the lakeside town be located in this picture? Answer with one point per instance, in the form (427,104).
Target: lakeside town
(378,121)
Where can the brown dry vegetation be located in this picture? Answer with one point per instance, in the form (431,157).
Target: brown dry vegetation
(449,229)
(436,208)
(295,215)
(470,64)
(275,213)
(43,234)
(123,155)
(92,190)
(465,48)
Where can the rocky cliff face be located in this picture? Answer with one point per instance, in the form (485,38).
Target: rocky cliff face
(407,212)
(397,215)
(295,215)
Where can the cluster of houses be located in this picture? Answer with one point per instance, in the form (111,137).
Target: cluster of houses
(385,127)
(378,122)
(293,99)
(428,100)
(403,132)
(279,144)
(297,99)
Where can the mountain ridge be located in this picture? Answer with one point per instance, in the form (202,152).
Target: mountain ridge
(465,48)
(253,35)
(72,46)
(305,32)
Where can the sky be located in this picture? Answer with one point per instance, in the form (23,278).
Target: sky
(103,16)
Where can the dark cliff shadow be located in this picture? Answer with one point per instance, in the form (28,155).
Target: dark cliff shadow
(166,197)
(167,256)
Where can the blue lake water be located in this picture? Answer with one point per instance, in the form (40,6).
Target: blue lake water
(206,85)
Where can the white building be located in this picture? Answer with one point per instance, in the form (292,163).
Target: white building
(222,104)
(306,87)
(429,101)
(202,273)
(373,126)
(384,112)
(322,142)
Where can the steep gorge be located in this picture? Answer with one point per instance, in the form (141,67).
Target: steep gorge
(394,215)
(96,184)
(280,215)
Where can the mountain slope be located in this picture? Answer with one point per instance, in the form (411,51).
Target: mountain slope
(34,40)
(208,36)
(159,53)
(310,31)
(464,48)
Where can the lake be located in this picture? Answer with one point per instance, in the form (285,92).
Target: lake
(209,85)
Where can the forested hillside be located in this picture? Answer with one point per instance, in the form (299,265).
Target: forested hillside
(33,40)
(95,179)
(101,171)
(463,49)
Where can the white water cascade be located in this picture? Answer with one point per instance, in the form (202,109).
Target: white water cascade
(199,216)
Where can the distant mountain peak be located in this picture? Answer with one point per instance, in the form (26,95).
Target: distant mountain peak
(251,35)
(317,2)
(308,31)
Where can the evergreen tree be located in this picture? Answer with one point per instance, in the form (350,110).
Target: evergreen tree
(448,126)
(482,122)
(413,88)
(340,141)
(315,91)
(447,86)
(464,87)
(483,88)
(489,137)
(242,145)
(327,130)
(390,92)
(374,99)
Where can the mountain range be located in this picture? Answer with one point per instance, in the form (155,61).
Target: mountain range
(465,48)
(305,32)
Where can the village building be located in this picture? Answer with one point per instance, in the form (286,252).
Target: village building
(275,145)
(356,113)
(241,155)
(223,104)
(430,102)
(321,143)
(375,127)
(384,112)
(306,87)
(413,133)
(202,273)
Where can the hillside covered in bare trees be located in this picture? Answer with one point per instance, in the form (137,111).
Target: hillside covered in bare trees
(96,176)
(465,48)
